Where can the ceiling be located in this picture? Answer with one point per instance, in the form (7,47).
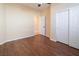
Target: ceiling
(35,6)
(45,5)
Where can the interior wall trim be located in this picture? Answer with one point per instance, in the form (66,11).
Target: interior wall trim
(15,39)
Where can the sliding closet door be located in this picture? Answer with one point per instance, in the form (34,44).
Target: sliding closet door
(74,27)
(62,26)
(2,24)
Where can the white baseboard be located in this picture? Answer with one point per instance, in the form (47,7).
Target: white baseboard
(52,39)
(22,38)
(14,39)
(3,42)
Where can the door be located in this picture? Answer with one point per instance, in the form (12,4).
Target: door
(2,24)
(74,27)
(62,26)
(43,25)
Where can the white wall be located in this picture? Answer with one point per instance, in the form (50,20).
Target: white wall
(16,22)
(20,24)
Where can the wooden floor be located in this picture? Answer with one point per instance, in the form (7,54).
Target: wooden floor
(36,46)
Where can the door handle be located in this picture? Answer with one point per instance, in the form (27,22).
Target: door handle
(43,26)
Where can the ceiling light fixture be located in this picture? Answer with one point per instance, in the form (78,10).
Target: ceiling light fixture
(40,4)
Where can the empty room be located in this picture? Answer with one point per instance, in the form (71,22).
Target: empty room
(39,29)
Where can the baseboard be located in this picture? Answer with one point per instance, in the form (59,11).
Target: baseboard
(3,42)
(53,39)
(23,38)
(68,45)
(14,39)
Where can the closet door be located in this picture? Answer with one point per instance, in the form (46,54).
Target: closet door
(74,27)
(2,24)
(62,26)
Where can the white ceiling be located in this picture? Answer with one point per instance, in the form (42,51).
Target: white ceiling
(35,6)
(45,5)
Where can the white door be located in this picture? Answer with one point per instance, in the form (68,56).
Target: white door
(43,25)
(62,26)
(74,27)
(2,24)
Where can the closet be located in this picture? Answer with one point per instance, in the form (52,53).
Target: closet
(62,26)
(2,25)
(67,26)
(74,27)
